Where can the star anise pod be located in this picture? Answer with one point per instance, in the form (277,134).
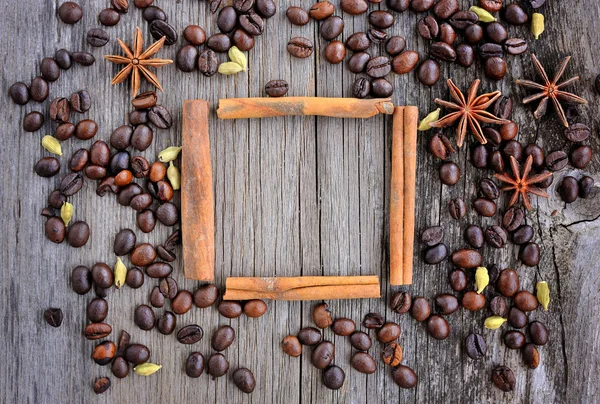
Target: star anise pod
(469,112)
(522,184)
(138,61)
(551,90)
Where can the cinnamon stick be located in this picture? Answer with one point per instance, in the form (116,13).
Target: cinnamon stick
(411,118)
(302,288)
(397,199)
(238,108)
(197,205)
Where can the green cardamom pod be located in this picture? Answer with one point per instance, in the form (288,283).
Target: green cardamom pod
(483,14)
(174,176)
(494,322)
(229,68)
(543,294)
(237,56)
(52,145)
(537,24)
(147,369)
(431,117)
(120,273)
(169,154)
(66,212)
(482,278)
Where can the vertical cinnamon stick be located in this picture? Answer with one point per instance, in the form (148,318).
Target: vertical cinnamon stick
(411,118)
(197,205)
(397,198)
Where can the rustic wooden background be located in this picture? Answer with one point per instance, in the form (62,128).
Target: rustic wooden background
(294,196)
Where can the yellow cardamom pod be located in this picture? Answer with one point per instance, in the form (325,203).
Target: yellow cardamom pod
(537,24)
(66,212)
(238,57)
(543,294)
(174,176)
(52,145)
(482,279)
(483,14)
(169,154)
(120,273)
(431,117)
(229,68)
(147,369)
(494,322)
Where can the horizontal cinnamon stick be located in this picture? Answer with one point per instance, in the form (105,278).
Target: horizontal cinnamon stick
(197,205)
(397,199)
(239,108)
(411,119)
(302,288)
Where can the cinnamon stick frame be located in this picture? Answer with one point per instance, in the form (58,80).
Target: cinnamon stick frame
(197,204)
(302,288)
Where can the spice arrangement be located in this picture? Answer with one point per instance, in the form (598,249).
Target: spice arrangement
(516,177)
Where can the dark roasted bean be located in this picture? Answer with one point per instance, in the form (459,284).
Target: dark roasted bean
(474,236)
(311,336)
(428,28)
(432,236)
(515,15)
(508,283)
(230,309)
(159,29)
(134,278)
(457,208)
(458,280)
(420,309)
(404,377)
(166,323)
(223,337)
(436,254)
(323,354)
(473,301)
(217,365)
(475,346)
(429,72)
(194,365)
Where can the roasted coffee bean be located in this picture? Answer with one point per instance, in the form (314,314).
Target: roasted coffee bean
(166,323)
(495,68)
(265,8)
(124,242)
(243,6)
(463,19)
(160,117)
(195,35)
(208,63)
(449,173)
(438,327)
(56,199)
(120,138)
(83,58)
(538,333)
(81,280)
(159,29)
(334,377)
(529,254)
(157,172)
(38,90)
(217,365)
(143,317)
(86,129)
(223,337)
(47,167)
(358,62)
(381,88)
(364,363)
(143,255)
(322,316)
(508,283)
(140,167)
(491,5)
(53,316)
(428,28)
(276,88)
(227,19)
(109,17)
(569,189)
(445,8)
(55,229)
(509,131)
(252,23)
(244,380)
(359,41)
(457,208)
(136,354)
(119,162)
(63,59)
(420,6)
(168,288)
(229,309)
(49,69)
(404,377)
(311,336)
(377,36)
(495,236)
(343,327)
(296,15)
(242,40)
(331,28)
(127,193)
(134,278)
(586,187)
(81,101)
(354,7)
(475,346)
(474,236)
(458,280)
(100,153)
(394,45)
(479,156)
(153,13)
(323,354)
(432,236)
(515,15)
(206,296)
(359,340)
(101,384)
(446,304)
(501,108)
(335,52)
(97,310)
(496,32)
(398,5)
(101,292)
(515,46)
(473,301)
(442,51)
(498,306)
(581,156)
(141,202)
(514,339)
(490,50)
(401,302)
(436,254)
(321,10)
(19,92)
(531,356)
(577,133)
(96,331)
(194,365)
(104,352)
(187,57)
(141,137)
(514,149)
(381,19)
(95,172)
(523,234)
(291,346)
(162,270)
(420,309)
(440,146)
(78,234)
(465,55)
(164,191)
(392,354)
(536,152)
(97,37)
(447,34)
(513,218)
(465,258)
(255,308)
(182,302)
(525,301)
(489,189)
(361,88)
(372,321)
(473,34)
(121,6)
(220,43)
(60,110)
(405,62)
(429,72)
(120,367)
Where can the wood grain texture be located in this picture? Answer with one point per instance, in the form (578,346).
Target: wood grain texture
(293,196)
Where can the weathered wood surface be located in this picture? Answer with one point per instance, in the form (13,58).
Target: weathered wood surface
(294,196)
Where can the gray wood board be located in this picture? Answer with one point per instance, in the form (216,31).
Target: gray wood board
(293,196)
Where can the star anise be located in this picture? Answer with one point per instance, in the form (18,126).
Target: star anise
(470,111)
(551,90)
(522,184)
(137,61)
